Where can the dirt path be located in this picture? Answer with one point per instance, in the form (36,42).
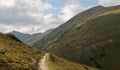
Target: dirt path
(42,63)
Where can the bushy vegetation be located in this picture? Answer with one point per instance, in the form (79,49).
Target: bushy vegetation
(15,55)
(2,52)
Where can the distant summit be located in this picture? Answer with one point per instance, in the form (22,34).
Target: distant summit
(22,36)
(38,37)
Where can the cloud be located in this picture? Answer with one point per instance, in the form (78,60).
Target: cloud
(109,2)
(6,3)
(72,8)
(2,29)
(23,11)
(23,15)
(29,16)
(51,18)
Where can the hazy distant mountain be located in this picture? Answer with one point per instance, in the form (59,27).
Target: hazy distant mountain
(38,37)
(91,37)
(24,37)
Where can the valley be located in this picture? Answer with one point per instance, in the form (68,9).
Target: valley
(88,41)
(88,38)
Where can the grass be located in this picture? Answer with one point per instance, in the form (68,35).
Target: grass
(37,38)
(56,63)
(50,64)
(14,55)
(111,12)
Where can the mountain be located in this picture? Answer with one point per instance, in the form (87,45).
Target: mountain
(24,37)
(38,37)
(14,55)
(91,37)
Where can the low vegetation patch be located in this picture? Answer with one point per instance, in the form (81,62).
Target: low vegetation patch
(56,63)
(2,52)
(14,55)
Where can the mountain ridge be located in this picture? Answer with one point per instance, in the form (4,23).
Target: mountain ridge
(90,37)
(22,36)
(72,22)
(38,37)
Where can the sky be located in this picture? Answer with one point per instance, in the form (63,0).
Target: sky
(33,16)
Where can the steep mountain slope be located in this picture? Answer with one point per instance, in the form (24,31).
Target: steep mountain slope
(66,27)
(15,55)
(91,37)
(38,37)
(23,37)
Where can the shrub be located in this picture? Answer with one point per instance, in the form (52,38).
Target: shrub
(2,52)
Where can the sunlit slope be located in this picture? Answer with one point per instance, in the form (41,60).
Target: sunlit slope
(93,40)
(59,32)
(15,55)
(57,63)
(38,37)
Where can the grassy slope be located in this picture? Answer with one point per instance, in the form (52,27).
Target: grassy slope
(59,32)
(64,28)
(15,55)
(93,41)
(38,37)
(56,63)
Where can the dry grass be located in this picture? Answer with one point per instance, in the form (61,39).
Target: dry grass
(56,63)
(15,55)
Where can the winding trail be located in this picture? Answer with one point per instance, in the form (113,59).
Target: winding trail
(42,63)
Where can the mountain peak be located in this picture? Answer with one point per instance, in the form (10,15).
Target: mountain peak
(22,36)
(99,6)
(14,32)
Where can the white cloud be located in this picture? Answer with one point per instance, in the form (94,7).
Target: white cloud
(29,16)
(72,8)
(109,2)
(23,15)
(7,3)
(51,18)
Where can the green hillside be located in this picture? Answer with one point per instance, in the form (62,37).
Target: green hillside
(57,63)
(38,37)
(91,37)
(14,55)
(59,32)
